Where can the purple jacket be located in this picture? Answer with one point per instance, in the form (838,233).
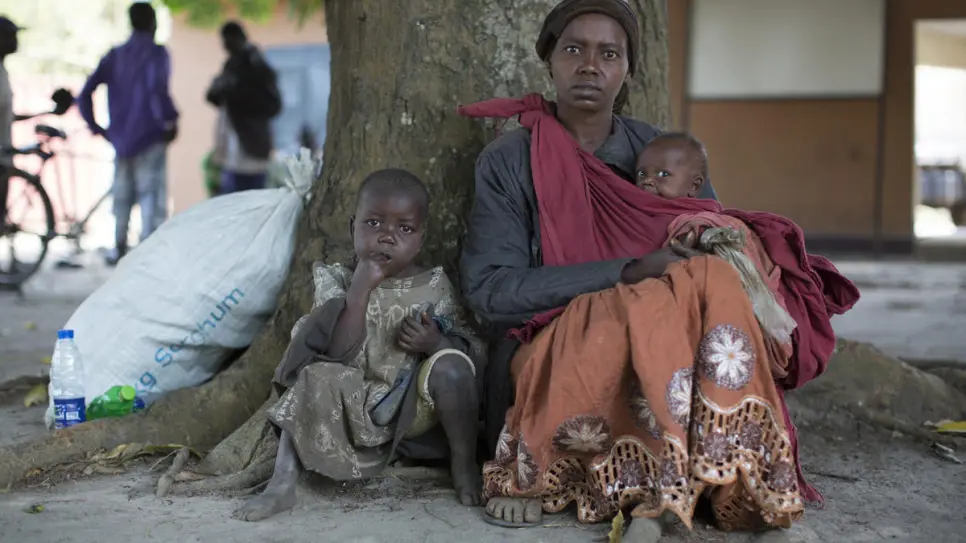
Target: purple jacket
(136,74)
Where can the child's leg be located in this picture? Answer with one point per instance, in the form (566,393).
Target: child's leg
(279,495)
(452,386)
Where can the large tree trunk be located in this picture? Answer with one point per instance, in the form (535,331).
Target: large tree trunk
(399,70)
(649,99)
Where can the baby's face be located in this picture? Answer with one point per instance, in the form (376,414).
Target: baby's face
(669,169)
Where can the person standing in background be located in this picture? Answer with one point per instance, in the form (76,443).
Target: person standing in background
(144,121)
(247,96)
(9,44)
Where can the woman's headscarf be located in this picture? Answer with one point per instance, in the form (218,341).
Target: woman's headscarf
(568,10)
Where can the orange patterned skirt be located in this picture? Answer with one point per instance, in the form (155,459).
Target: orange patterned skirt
(646,397)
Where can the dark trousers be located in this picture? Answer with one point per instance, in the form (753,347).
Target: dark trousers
(236,182)
(4,189)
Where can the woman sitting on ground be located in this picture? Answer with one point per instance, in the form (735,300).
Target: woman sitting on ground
(626,393)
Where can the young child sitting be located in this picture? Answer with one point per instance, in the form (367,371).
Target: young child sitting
(382,358)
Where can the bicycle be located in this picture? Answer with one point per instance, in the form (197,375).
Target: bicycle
(17,271)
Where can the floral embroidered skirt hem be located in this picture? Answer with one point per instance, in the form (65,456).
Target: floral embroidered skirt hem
(646,397)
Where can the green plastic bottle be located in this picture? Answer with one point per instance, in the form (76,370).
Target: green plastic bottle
(118,401)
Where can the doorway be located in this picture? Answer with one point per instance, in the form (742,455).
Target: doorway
(940,129)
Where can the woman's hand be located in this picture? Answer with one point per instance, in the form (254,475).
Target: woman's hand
(420,336)
(654,265)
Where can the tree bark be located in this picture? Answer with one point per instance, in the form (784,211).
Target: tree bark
(649,98)
(399,71)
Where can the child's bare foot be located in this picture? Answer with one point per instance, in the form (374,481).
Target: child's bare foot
(279,495)
(275,499)
(467,481)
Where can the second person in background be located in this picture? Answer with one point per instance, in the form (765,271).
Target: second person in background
(247,96)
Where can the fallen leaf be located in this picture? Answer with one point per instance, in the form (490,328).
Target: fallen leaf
(45,360)
(124,451)
(35,508)
(36,396)
(29,325)
(32,473)
(934,425)
(170,448)
(129,451)
(616,528)
(952,427)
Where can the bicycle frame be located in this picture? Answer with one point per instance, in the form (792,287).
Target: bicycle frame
(76,228)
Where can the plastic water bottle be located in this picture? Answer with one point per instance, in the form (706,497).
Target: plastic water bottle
(67,381)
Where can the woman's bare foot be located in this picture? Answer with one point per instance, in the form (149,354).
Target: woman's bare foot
(467,480)
(274,500)
(521,511)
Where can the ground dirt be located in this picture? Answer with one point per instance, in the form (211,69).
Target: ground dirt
(877,487)
(879,484)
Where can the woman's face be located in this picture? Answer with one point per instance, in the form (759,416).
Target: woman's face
(589,63)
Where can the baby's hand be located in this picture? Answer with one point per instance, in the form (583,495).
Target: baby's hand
(688,240)
(420,336)
(686,245)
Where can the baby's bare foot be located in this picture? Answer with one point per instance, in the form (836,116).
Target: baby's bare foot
(467,481)
(273,501)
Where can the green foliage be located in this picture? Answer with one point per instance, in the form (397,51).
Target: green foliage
(61,39)
(210,13)
(201,13)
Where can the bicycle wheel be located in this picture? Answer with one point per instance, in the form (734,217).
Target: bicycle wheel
(27,230)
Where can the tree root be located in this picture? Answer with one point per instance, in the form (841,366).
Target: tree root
(258,472)
(180,459)
(198,417)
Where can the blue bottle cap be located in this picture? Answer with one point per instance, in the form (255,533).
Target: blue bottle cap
(65,334)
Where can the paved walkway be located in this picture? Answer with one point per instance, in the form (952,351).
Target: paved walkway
(911,310)
(28,325)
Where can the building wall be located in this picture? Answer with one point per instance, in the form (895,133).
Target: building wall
(811,160)
(828,162)
(938,49)
(775,149)
(197,57)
